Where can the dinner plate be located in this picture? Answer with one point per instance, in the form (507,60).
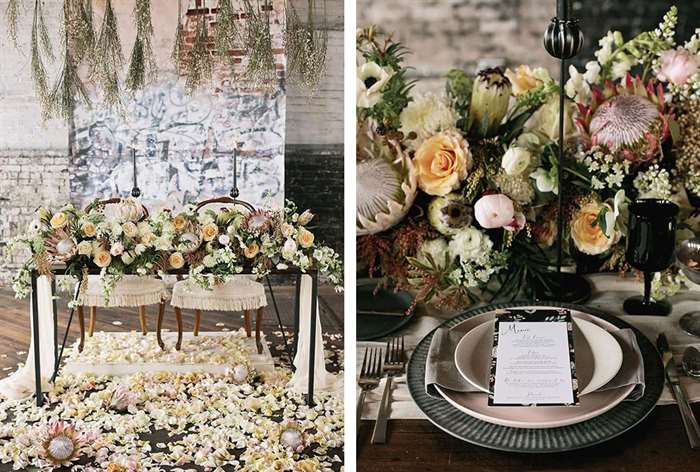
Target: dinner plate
(596,430)
(598,355)
(371,327)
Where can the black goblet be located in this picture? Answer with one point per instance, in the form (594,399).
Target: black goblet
(650,248)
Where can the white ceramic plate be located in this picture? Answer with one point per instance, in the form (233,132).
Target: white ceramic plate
(590,405)
(598,355)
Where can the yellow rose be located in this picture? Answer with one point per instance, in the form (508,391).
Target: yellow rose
(176,260)
(524,79)
(251,250)
(59,220)
(130,229)
(102,258)
(89,229)
(588,236)
(179,222)
(305,238)
(442,162)
(209,231)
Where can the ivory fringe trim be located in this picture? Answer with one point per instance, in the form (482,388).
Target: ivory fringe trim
(220,304)
(125,299)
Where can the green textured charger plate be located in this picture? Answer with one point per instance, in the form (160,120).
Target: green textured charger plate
(371,327)
(602,428)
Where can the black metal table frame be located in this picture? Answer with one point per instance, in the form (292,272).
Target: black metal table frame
(58,355)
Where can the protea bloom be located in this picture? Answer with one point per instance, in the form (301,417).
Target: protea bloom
(629,119)
(61,443)
(259,221)
(489,104)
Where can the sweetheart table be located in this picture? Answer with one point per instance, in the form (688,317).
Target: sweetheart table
(309,368)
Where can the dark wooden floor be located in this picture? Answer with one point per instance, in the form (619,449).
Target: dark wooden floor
(15,335)
(658,444)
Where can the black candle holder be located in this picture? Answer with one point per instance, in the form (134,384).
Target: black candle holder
(563,39)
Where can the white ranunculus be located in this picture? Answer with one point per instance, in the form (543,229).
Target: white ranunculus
(435,249)
(427,115)
(467,244)
(544,181)
(371,78)
(516,160)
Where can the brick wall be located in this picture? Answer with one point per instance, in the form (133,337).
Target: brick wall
(468,34)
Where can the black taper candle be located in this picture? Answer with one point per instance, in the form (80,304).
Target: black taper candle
(234,190)
(563,9)
(135,191)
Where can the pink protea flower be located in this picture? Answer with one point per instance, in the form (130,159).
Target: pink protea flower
(677,66)
(629,119)
(61,443)
(122,398)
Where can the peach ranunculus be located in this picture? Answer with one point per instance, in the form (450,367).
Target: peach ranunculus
(89,229)
(130,229)
(442,162)
(305,238)
(587,234)
(677,66)
(179,222)
(59,220)
(524,79)
(176,260)
(251,250)
(209,231)
(102,258)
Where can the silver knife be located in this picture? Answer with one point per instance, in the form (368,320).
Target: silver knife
(671,370)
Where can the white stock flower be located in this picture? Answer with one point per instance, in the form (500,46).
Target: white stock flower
(427,115)
(606,44)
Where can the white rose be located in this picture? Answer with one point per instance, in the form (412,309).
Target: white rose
(224,240)
(468,244)
(371,78)
(515,160)
(85,248)
(287,230)
(209,261)
(289,249)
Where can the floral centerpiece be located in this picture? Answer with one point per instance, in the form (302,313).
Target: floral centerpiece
(211,245)
(457,193)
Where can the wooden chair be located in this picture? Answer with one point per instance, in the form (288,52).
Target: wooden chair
(242,293)
(130,291)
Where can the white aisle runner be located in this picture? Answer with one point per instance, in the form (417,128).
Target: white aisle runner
(21,384)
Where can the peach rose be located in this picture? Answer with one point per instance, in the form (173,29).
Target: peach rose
(130,229)
(305,238)
(179,222)
(89,229)
(442,162)
(176,260)
(102,258)
(524,79)
(210,231)
(58,220)
(588,236)
(251,250)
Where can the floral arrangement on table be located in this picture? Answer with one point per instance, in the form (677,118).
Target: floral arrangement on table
(214,245)
(457,194)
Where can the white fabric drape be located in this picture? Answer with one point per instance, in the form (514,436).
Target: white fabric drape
(21,384)
(323,380)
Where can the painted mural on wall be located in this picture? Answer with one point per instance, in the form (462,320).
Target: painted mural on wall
(184,146)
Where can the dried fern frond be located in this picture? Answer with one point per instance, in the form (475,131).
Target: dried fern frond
(306,45)
(226,34)
(199,62)
(261,60)
(142,66)
(37,64)
(11,15)
(68,87)
(108,56)
(80,32)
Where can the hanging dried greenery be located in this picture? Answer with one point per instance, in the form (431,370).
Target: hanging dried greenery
(80,32)
(40,41)
(226,34)
(62,99)
(261,60)
(109,57)
(11,15)
(199,60)
(179,44)
(142,66)
(306,44)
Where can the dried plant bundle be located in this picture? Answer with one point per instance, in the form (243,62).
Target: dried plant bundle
(68,87)
(11,16)
(226,34)
(199,61)
(39,41)
(80,32)
(261,60)
(179,44)
(306,45)
(142,65)
(109,57)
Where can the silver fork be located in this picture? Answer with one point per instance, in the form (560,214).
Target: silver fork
(394,364)
(370,374)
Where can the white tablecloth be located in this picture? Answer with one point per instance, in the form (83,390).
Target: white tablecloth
(609,292)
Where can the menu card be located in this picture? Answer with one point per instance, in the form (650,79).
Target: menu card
(533,360)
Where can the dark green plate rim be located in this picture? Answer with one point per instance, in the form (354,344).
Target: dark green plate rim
(610,424)
(400,321)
